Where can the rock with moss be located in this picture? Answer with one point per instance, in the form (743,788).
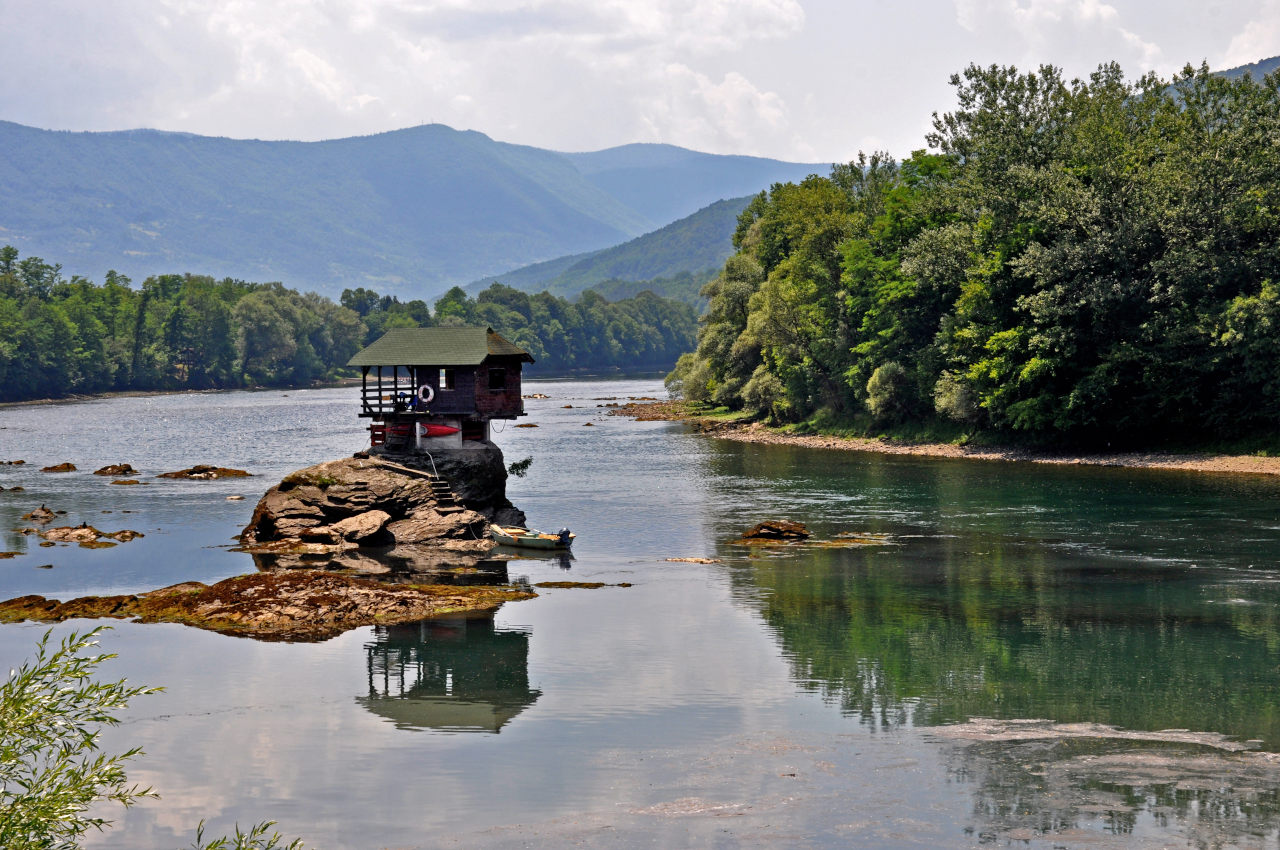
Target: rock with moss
(292,606)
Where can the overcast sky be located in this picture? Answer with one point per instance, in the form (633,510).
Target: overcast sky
(809,80)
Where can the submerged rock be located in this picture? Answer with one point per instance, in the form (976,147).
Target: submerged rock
(776,530)
(117,469)
(86,535)
(40,514)
(205,472)
(294,606)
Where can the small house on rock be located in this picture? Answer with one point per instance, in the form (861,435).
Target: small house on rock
(435,387)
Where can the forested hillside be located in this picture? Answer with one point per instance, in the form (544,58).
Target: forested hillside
(665,183)
(62,336)
(411,212)
(666,261)
(1070,261)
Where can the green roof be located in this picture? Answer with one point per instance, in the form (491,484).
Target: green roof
(437,347)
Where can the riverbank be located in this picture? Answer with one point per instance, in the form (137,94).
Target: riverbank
(755,432)
(74,397)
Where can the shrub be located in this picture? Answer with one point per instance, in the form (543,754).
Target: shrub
(50,771)
(889,392)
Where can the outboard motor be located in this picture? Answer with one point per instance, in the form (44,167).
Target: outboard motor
(563,534)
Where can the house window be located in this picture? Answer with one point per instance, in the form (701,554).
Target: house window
(497,379)
(446,379)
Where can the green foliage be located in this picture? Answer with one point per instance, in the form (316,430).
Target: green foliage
(259,837)
(643,332)
(59,336)
(673,262)
(1075,261)
(888,396)
(51,772)
(520,468)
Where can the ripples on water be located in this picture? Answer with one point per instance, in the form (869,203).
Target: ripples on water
(780,696)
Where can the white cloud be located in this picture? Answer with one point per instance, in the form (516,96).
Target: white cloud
(796,79)
(1259,39)
(524,69)
(1071,33)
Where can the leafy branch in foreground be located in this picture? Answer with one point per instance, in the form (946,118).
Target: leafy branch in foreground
(50,770)
(255,839)
(51,711)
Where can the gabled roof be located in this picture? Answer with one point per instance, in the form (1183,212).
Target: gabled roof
(437,347)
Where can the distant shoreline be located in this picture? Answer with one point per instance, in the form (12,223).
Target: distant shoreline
(324,385)
(757,433)
(340,382)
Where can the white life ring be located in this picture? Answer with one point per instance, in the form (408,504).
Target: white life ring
(425,394)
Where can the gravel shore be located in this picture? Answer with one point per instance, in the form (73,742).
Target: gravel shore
(758,433)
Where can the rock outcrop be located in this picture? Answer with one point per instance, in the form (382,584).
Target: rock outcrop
(477,472)
(358,513)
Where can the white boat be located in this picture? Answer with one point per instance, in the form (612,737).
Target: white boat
(531,538)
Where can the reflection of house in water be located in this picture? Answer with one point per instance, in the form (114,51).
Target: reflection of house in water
(458,674)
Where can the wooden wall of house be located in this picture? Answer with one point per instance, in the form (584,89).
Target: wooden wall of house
(460,399)
(471,395)
(506,402)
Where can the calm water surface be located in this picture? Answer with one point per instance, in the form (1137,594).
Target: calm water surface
(990,654)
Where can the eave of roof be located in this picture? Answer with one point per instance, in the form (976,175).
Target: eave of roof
(437,347)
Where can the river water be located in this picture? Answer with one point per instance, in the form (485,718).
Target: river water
(969,653)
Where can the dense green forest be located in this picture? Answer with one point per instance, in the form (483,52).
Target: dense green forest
(60,337)
(1068,262)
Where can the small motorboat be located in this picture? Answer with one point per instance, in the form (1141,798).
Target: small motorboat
(530,538)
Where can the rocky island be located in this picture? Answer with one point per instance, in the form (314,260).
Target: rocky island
(392,534)
(377,538)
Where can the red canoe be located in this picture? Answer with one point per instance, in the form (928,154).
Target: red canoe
(438,430)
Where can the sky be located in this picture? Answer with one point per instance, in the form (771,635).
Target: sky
(800,80)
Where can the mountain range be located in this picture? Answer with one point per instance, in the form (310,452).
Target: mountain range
(409,212)
(675,255)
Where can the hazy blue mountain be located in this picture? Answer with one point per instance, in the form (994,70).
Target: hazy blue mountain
(1258,69)
(665,183)
(692,245)
(409,212)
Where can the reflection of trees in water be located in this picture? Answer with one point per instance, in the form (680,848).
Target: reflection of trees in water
(457,673)
(1087,612)
(1059,788)
(937,630)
